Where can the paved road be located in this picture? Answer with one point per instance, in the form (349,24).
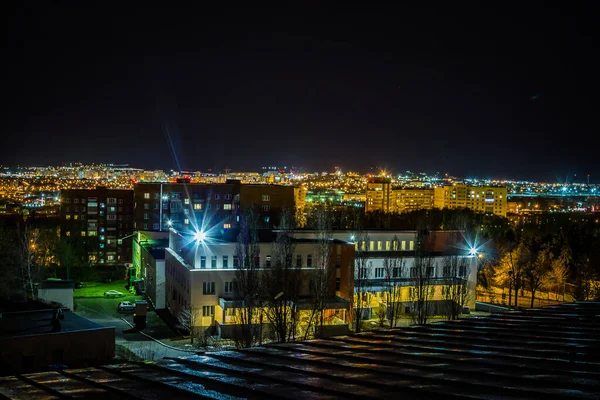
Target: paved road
(103,312)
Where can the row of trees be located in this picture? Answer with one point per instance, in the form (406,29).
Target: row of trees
(30,253)
(534,262)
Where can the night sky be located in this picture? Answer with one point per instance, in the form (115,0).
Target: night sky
(488,92)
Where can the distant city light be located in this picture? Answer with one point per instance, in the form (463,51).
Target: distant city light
(170,223)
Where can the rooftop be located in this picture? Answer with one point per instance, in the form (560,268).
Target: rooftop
(549,353)
(38,322)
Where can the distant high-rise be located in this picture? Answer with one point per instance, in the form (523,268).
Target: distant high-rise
(381,197)
(185,205)
(484,199)
(99,220)
(378,195)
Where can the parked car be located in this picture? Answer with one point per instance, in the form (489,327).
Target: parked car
(125,306)
(113,293)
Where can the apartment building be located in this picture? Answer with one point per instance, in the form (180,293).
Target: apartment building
(100,222)
(481,199)
(377,246)
(409,199)
(201,275)
(183,205)
(381,196)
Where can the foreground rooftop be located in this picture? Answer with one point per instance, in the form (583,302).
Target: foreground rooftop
(550,353)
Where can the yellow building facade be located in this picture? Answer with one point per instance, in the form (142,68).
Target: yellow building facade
(381,197)
(483,199)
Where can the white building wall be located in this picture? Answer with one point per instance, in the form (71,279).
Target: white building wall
(160,285)
(62,296)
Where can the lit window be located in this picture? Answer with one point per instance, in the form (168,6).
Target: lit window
(186,201)
(372,245)
(68,217)
(82,233)
(411,245)
(186,221)
(75,216)
(68,233)
(266,197)
(387,245)
(226,206)
(266,208)
(110,258)
(379,245)
(208,311)
(226,226)
(146,195)
(197,206)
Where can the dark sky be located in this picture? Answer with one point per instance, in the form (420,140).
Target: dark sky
(425,89)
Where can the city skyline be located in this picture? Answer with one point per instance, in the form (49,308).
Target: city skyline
(569,178)
(472,92)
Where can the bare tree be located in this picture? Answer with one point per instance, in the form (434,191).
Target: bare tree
(421,274)
(560,269)
(320,275)
(28,245)
(247,278)
(187,319)
(281,282)
(538,269)
(511,267)
(455,287)
(394,265)
(362,276)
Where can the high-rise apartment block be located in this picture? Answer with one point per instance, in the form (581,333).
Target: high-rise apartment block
(484,199)
(381,197)
(379,192)
(184,205)
(98,221)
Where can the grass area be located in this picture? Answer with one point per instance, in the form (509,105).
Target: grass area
(123,353)
(97,289)
(99,307)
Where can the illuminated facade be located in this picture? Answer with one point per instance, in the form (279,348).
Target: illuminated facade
(381,197)
(482,199)
(378,197)
(184,205)
(377,246)
(201,275)
(407,200)
(99,221)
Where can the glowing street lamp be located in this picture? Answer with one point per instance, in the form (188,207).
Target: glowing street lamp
(473,251)
(170,223)
(200,236)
